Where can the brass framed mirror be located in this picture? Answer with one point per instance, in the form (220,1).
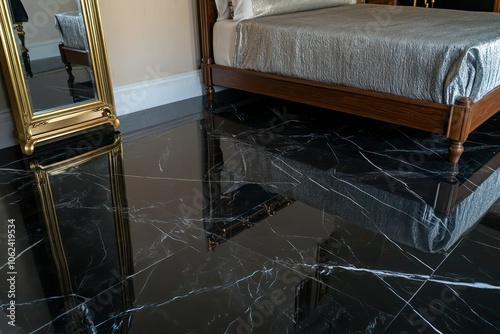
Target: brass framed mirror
(71,97)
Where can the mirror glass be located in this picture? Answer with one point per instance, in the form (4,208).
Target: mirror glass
(54,49)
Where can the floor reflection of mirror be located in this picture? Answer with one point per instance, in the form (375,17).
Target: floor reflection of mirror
(74,228)
(50,87)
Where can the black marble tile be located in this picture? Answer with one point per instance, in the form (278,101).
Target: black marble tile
(452,307)
(472,259)
(264,216)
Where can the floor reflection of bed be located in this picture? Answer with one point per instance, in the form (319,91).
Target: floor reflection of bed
(429,209)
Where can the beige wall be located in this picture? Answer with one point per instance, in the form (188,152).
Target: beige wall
(150,39)
(147,39)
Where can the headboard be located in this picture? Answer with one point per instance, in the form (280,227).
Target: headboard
(207,12)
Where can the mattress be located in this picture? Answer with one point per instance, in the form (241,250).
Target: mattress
(431,55)
(224,42)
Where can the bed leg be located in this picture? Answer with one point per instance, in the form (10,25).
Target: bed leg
(69,70)
(210,92)
(459,127)
(67,64)
(207,80)
(455,151)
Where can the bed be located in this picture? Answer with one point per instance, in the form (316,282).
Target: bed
(74,46)
(74,50)
(470,89)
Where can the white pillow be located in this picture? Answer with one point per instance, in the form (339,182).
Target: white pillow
(247,9)
(223,12)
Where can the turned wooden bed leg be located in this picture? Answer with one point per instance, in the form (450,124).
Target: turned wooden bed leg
(210,92)
(208,16)
(455,151)
(67,64)
(459,127)
(207,80)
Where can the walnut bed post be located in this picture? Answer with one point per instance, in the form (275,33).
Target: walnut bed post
(208,17)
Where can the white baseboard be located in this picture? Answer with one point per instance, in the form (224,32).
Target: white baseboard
(130,98)
(157,92)
(45,49)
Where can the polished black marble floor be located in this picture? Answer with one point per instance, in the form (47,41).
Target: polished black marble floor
(262,217)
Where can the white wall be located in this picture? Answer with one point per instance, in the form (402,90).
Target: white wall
(42,38)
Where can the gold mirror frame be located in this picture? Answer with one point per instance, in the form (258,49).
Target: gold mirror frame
(54,123)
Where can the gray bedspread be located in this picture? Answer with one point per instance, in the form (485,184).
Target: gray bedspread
(72,29)
(405,219)
(426,54)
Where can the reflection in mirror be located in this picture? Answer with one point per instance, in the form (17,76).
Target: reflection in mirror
(70,89)
(54,49)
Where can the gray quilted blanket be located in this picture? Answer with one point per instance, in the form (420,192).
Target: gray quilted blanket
(427,54)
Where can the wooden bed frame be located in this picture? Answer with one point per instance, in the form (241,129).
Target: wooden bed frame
(80,91)
(71,56)
(456,121)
